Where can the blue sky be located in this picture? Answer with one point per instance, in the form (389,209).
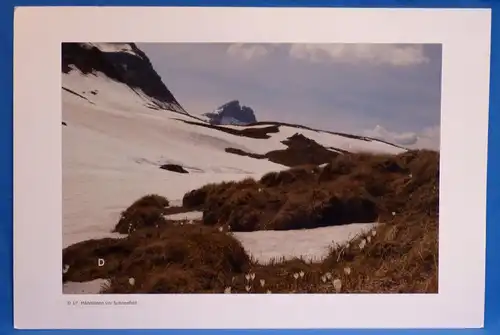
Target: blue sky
(388,91)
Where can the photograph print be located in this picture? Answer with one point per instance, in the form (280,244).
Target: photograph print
(242,168)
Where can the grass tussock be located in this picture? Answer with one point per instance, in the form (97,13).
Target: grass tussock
(400,255)
(196,255)
(148,211)
(352,188)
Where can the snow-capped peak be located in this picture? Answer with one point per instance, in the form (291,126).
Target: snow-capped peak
(231,113)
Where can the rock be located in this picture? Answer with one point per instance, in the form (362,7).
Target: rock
(231,113)
(173,168)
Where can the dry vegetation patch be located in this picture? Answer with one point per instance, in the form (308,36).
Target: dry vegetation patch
(149,255)
(148,211)
(398,256)
(353,188)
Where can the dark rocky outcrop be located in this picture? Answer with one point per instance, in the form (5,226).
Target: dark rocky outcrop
(300,151)
(232,113)
(173,168)
(132,68)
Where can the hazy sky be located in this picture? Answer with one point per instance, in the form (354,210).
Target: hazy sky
(389,91)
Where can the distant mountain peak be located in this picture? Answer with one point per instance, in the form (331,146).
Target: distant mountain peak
(232,113)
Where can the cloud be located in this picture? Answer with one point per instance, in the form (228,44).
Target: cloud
(377,54)
(428,138)
(247,51)
(396,55)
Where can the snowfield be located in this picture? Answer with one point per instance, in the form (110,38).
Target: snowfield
(308,244)
(113,145)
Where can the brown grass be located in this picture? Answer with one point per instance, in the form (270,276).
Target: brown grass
(398,256)
(352,188)
(197,253)
(148,211)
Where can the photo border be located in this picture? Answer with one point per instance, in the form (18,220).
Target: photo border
(465,36)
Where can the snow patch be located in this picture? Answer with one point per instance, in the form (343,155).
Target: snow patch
(310,244)
(89,287)
(195,215)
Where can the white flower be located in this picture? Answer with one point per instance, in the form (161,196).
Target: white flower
(252,276)
(228,228)
(374,232)
(268,292)
(262,282)
(181,223)
(323,279)
(66,268)
(220,228)
(296,275)
(190,221)
(131,281)
(301,274)
(411,175)
(393,213)
(227,290)
(368,239)
(337,285)
(328,275)
(347,270)
(247,277)
(362,244)
(247,288)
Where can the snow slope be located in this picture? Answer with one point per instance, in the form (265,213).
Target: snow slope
(112,150)
(113,145)
(116,138)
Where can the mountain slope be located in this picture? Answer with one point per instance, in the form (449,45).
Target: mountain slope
(123,62)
